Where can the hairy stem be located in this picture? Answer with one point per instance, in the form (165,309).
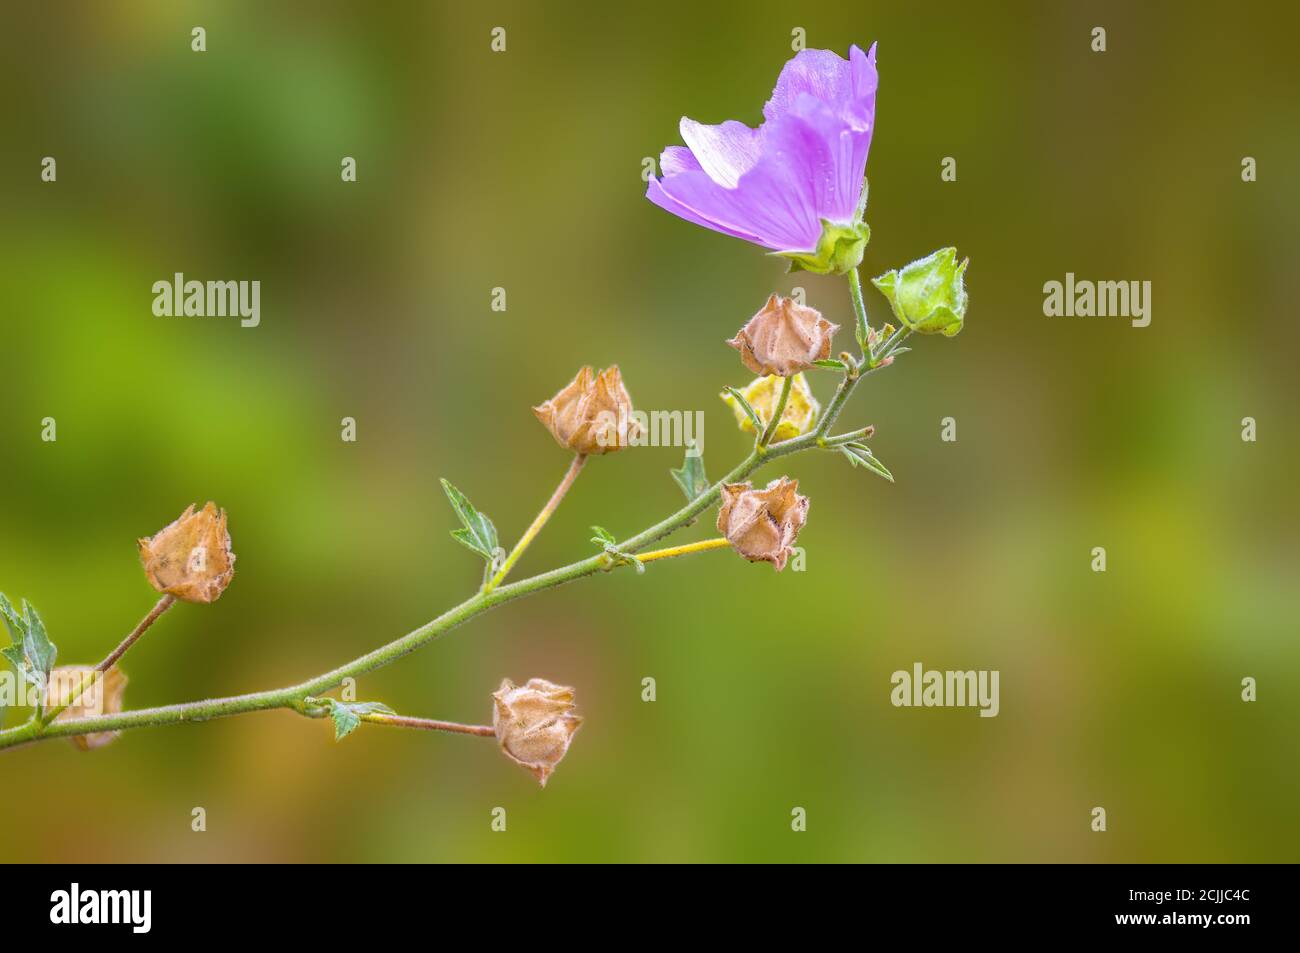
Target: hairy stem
(859,311)
(887,349)
(293,697)
(702,546)
(770,430)
(850,437)
(428,724)
(538,521)
(161,606)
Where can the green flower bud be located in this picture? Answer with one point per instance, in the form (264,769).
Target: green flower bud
(928,295)
(839,250)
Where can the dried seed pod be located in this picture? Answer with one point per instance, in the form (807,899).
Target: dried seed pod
(784,338)
(592,414)
(761,525)
(190,558)
(534,724)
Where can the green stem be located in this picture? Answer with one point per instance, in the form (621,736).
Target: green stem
(850,437)
(859,311)
(895,339)
(293,697)
(770,430)
(538,521)
(161,606)
(428,724)
(838,400)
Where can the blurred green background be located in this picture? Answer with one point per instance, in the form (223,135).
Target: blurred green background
(522,170)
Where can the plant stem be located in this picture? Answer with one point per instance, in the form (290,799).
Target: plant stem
(770,430)
(428,724)
(894,341)
(838,399)
(843,438)
(686,550)
(859,311)
(161,606)
(538,521)
(292,697)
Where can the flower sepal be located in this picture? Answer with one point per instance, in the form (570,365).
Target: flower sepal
(839,250)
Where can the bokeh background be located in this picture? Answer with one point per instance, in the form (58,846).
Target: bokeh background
(522,170)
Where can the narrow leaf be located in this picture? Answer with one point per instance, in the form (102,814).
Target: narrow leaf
(478,533)
(749,411)
(860,454)
(831,363)
(603,536)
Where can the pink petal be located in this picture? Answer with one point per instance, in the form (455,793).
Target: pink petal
(725,152)
(822,74)
(656,193)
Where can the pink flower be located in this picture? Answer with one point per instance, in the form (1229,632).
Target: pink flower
(801,170)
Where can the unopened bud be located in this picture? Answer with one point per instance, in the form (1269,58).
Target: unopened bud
(929,295)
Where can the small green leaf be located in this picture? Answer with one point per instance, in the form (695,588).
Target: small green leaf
(860,454)
(345,721)
(691,476)
(478,533)
(40,649)
(750,412)
(606,541)
(625,559)
(32,653)
(831,363)
(347,715)
(15,654)
(13,621)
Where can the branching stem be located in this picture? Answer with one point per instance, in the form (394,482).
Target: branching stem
(702,546)
(538,521)
(770,430)
(161,606)
(294,697)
